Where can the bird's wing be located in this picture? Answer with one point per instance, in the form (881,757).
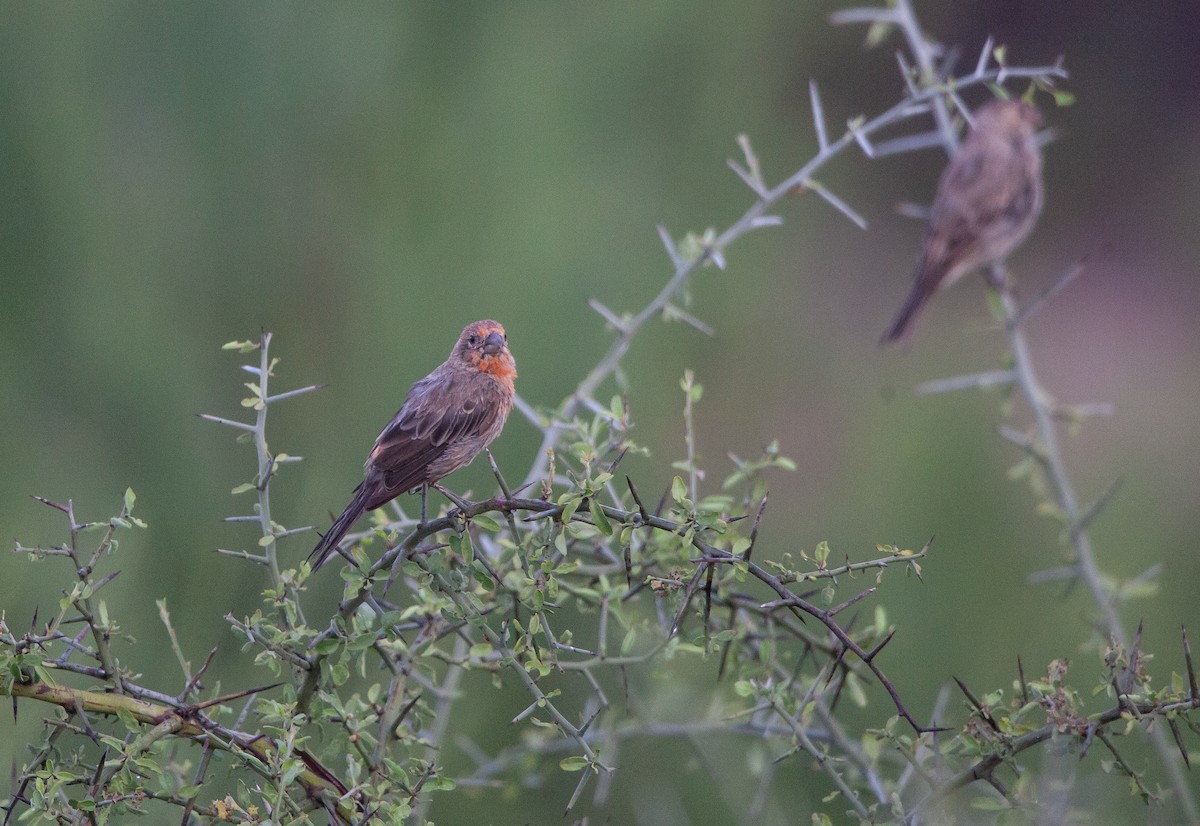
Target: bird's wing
(959,210)
(436,414)
(985,192)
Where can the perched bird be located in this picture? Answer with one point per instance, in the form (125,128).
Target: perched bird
(987,202)
(447,418)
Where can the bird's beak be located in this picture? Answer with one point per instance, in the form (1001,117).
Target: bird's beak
(493,344)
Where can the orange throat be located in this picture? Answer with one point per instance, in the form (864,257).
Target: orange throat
(498,366)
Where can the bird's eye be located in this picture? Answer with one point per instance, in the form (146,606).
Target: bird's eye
(472,340)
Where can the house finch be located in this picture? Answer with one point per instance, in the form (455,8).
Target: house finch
(447,418)
(987,202)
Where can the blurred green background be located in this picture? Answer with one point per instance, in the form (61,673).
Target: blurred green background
(364,180)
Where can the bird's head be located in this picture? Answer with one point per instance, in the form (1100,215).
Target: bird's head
(483,346)
(1008,117)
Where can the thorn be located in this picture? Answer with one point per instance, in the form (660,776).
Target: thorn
(751,159)
(1093,510)
(762,507)
(708,581)
(906,72)
(1191,669)
(984,56)
(837,203)
(836,664)
(608,315)
(1055,287)
(1183,752)
(761,221)
(278,397)
(672,252)
(227,422)
(986,715)
(641,508)
(747,178)
(879,646)
(971,381)
(818,114)
(55,505)
(857,597)
(613,467)
(234,696)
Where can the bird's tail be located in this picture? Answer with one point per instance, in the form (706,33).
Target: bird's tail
(328,546)
(901,326)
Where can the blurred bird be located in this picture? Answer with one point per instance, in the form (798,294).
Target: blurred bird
(987,202)
(447,418)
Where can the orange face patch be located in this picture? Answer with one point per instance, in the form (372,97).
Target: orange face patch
(501,364)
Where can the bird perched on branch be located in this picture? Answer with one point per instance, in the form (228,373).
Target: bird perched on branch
(447,418)
(987,201)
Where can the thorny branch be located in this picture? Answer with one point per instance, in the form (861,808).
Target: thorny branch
(1046,450)
(495,595)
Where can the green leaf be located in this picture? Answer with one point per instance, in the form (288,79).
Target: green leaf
(821,552)
(573,764)
(617,408)
(568,511)
(440,784)
(130,498)
(877,32)
(744,688)
(486,523)
(598,518)
(678,489)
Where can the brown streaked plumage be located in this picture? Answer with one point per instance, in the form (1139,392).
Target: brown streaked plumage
(447,418)
(987,201)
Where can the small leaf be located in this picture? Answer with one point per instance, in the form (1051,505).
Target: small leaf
(678,489)
(821,553)
(486,523)
(440,784)
(598,518)
(876,33)
(573,764)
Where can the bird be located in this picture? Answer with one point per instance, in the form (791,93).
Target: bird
(987,201)
(447,418)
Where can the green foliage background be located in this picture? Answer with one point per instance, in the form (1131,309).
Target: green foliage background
(364,180)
